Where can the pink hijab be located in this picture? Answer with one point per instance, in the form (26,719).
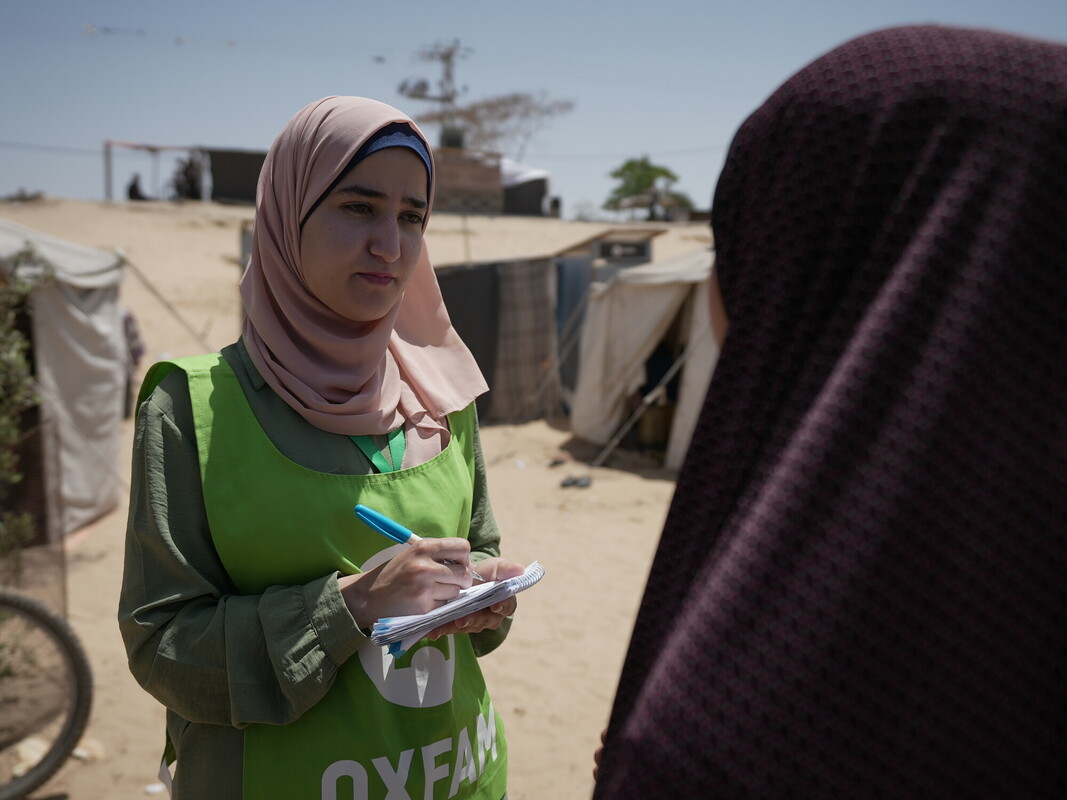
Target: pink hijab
(409,368)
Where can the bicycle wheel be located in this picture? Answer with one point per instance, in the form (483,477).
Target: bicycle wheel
(45,693)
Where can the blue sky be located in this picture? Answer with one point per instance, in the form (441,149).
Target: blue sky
(670,79)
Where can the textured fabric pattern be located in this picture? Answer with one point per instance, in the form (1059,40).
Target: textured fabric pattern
(861,587)
(526,386)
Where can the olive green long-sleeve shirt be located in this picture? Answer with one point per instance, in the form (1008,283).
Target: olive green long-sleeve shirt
(217,660)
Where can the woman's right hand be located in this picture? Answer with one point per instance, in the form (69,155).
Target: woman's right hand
(415,581)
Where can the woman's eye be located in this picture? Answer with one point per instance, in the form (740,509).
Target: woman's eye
(357,208)
(413,218)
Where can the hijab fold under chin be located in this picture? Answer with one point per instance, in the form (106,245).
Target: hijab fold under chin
(409,368)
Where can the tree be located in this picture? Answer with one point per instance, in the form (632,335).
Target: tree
(643,184)
(502,124)
(187,182)
(17,394)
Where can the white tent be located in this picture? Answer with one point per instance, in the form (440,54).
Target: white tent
(81,359)
(626,319)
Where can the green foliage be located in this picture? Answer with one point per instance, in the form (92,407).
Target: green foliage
(643,184)
(637,176)
(16,395)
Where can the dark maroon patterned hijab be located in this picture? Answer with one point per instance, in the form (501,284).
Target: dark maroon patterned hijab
(861,589)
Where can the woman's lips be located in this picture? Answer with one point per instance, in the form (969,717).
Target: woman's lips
(377,278)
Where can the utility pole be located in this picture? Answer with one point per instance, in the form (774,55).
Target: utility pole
(419,89)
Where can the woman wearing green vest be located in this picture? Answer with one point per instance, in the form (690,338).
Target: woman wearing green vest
(249,584)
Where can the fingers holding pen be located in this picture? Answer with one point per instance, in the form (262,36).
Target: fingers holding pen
(437,548)
(424,575)
(450,559)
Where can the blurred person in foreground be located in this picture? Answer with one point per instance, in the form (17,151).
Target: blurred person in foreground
(250,587)
(861,587)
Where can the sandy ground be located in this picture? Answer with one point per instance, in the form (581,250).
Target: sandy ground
(553,680)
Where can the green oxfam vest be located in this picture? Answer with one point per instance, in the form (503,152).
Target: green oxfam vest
(418,726)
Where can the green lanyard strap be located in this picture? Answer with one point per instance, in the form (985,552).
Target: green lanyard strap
(371,451)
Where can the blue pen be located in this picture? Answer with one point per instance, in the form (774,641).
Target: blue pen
(394,530)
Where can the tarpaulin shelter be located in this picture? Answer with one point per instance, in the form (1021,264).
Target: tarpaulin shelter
(233,174)
(646,327)
(80,357)
(506,313)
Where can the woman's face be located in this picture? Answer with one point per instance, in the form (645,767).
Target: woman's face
(359,247)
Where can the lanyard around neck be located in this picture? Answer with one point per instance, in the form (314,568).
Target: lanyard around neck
(371,451)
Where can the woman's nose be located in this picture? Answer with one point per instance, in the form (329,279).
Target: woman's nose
(385,240)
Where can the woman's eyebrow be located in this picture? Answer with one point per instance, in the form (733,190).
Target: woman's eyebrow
(357,190)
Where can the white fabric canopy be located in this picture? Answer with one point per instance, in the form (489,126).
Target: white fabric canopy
(625,319)
(512,173)
(81,359)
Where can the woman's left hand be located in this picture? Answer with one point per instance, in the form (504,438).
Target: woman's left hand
(492,569)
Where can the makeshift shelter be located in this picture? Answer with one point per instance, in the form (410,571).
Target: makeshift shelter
(506,313)
(594,259)
(649,344)
(519,305)
(80,358)
(233,174)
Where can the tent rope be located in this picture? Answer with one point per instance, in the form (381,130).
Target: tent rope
(646,403)
(648,400)
(167,304)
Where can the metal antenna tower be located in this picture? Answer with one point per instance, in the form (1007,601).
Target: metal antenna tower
(419,89)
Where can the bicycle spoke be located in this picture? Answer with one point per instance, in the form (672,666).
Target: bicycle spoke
(45,691)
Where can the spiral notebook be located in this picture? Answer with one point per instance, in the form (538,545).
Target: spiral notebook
(401,633)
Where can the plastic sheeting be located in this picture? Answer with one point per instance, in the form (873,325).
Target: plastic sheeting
(81,358)
(625,320)
(506,314)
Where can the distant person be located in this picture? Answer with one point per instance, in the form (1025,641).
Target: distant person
(186,180)
(250,587)
(859,590)
(133,189)
(191,171)
(655,204)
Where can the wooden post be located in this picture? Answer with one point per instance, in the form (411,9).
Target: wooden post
(107,170)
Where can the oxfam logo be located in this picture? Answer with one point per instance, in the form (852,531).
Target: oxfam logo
(423,676)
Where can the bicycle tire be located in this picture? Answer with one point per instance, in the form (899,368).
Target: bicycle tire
(46,692)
